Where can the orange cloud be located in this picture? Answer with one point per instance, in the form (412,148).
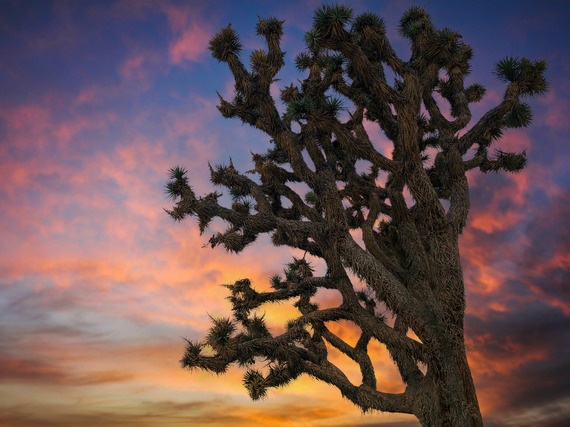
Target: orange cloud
(494,220)
(496,372)
(37,371)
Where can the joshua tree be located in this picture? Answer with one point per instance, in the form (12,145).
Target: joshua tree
(404,252)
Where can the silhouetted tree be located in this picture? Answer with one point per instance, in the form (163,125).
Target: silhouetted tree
(406,253)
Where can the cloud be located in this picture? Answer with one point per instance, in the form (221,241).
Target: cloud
(149,413)
(87,96)
(131,65)
(37,371)
(190,44)
(191,31)
(517,309)
(513,356)
(554,114)
(552,414)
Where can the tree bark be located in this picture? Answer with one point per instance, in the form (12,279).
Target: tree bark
(450,399)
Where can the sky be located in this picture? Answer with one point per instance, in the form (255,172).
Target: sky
(98,286)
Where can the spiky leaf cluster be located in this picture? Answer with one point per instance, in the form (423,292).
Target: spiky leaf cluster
(368,21)
(254,383)
(258,59)
(270,27)
(413,22)
(299,109)
(330,19)
(303,61)
(191,354)
(475,92)
(520,116)
(177,180)
(224,43)
(531,78)
(257,328)
(509,162)
(508,69)
(311,38)
(528,74)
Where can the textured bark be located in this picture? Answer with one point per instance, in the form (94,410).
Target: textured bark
(408,257)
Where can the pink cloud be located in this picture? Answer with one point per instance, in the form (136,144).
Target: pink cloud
(131,65)
(112,230)
(556,110)
(191,33)
(87,96)
(36,122)
(138,71)
(189,45)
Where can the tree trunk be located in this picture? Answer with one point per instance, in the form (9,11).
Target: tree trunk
(454,402)
(450,400)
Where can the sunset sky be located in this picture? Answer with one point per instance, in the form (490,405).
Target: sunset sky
(98,286)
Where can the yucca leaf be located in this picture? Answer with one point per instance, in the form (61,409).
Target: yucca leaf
(224,43)
(509,162)
(269,26)
(220,333)
(290,324)
(279,375)
(413,22)
(254,383)
(508,69)
(257,327)
(311,40)
(275,281)
(191,354)
(331,62)
(531,79)
(258,58)
(298,109)
(519,117)
(172,190)
(475,92)
(368,20)
(311,198)
(177,172)
(328,16)
(303,61)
